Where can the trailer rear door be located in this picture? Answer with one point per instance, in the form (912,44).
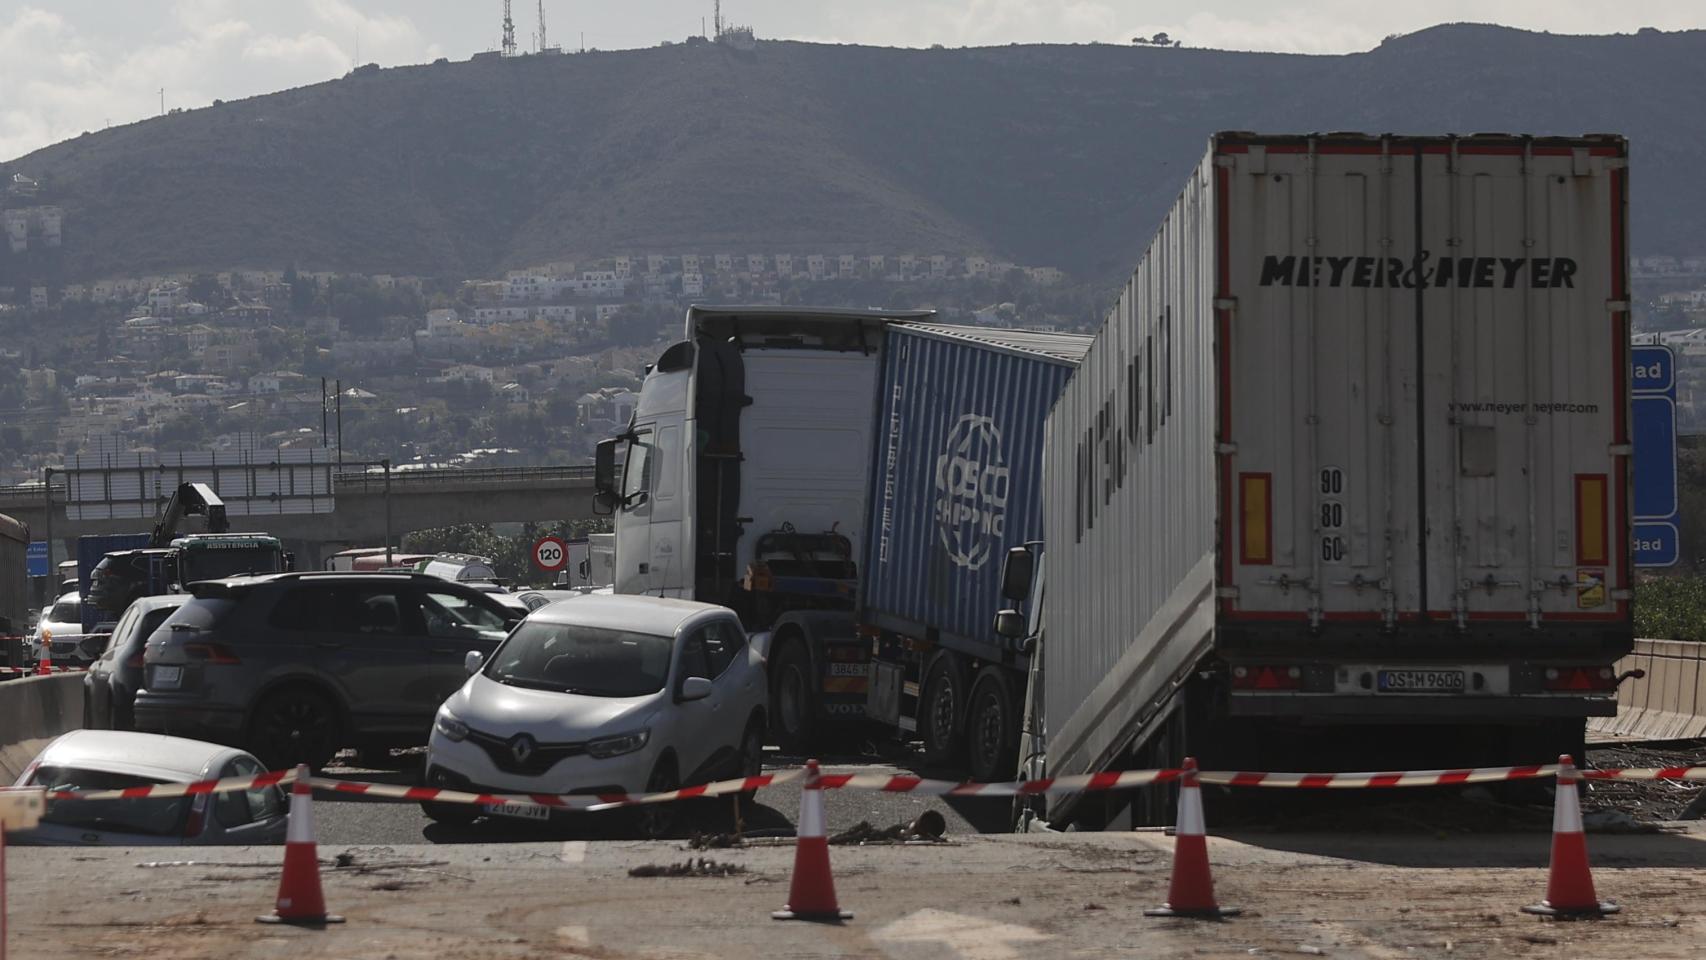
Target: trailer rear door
(1469,292)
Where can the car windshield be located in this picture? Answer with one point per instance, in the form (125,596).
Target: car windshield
(204,564)
(69,610)
(586,660)
(158,817)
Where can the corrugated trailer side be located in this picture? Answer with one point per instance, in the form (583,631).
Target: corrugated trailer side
(956,474)
(1129,505)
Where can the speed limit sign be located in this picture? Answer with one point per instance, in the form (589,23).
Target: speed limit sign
(550,554)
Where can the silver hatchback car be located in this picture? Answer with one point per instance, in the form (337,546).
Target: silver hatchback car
(88,760)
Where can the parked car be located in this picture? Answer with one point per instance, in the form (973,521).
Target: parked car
(534,599)
(296,666)
(607,694)
(61,628)
(112,760)
(109,688)
(120,578)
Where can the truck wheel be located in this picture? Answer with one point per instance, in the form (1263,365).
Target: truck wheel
(942,710)
(791,700)
(992,728)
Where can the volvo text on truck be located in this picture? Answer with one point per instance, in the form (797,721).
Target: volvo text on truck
(849,481)
(1344,482)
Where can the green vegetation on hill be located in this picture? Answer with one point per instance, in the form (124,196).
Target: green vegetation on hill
(1062,155)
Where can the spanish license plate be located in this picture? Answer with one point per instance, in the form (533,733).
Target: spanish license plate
(1421,681)
(167,678)
(522,811)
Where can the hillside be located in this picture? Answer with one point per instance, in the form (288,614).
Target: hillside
(1062,155)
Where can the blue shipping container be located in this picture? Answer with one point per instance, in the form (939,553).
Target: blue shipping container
(957,473)
(90,550)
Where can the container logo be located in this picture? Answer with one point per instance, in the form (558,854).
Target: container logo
(1540,273)
(971,491)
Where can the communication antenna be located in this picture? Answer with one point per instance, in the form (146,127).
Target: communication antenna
(509,31)
(543,43)
(717,21)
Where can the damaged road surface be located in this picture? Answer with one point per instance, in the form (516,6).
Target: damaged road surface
(1375,896)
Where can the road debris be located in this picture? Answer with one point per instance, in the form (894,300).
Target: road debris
(692,867)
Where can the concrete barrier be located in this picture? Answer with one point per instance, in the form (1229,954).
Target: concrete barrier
(33,711)
(1669,703)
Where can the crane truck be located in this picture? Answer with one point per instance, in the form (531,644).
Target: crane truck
(848,481)
(1344,481)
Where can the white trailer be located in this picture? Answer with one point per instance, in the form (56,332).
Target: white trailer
(1344,480)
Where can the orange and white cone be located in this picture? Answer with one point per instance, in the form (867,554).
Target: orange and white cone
(44,659)
(1191,894)
(299,898)
(1569,887)
(812,894)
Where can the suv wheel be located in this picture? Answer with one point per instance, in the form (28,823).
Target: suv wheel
(659,820)
(293,726)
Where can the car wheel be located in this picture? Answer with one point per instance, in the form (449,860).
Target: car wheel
(791,700)
(658,821)
(295,726)
(941,710)
(992,730)
(451,814)
(751,755)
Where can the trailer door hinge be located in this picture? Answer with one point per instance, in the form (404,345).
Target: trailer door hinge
(1226,449)
(1225,160)
(1620,449)
(1616,306)
(1622,594)
(1226,593)
(1225,303)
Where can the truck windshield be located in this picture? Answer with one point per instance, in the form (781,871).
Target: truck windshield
(202,564)
(587,660)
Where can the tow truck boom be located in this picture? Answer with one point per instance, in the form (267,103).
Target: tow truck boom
(190,499)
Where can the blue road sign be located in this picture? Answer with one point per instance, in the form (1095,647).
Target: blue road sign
(35,558)
(1654,434)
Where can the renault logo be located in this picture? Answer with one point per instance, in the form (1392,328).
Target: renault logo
(522,747)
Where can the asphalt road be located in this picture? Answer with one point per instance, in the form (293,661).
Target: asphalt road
(346,820)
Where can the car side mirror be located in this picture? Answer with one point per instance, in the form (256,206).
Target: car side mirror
(472,660)
(693,688)
(1016,573)
(604,496)
(1010,624)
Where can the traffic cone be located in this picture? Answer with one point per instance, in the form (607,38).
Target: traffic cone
(1191,893)
(44,659)
(812,894)
(299,898)
(1569,887)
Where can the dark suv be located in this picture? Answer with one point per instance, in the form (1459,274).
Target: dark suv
(295,666)
(120,578)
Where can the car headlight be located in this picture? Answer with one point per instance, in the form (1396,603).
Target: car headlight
(453,729)
(615,746)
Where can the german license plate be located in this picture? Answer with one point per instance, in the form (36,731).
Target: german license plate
(1421,681)
(522,811)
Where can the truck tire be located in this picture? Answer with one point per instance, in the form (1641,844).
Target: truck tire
(793,702)
(992,728)
(942,711)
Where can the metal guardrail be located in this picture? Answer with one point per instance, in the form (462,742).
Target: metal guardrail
(374,478)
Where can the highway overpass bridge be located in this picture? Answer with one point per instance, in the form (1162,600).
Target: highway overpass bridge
(364,511)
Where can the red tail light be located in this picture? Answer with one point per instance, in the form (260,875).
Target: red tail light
(212,653)
(197,818)
(135,661)
(1267,678)
(1584,679)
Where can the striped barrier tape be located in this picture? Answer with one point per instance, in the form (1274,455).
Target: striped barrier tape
(32,671)
(887,783)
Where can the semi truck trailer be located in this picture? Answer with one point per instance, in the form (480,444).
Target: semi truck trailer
(1344,481)
(848,481)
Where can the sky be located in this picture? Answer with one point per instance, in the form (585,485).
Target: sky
(67,66)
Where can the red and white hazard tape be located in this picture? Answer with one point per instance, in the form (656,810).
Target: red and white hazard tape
(886,783)
(160,790)
(32,671)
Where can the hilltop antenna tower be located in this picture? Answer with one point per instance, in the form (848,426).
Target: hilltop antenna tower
(509,31)
(543,44)
(717,20)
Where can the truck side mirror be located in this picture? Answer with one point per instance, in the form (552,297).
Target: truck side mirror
(1016,572)
(1010,624)
(289,562)
(604,477)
